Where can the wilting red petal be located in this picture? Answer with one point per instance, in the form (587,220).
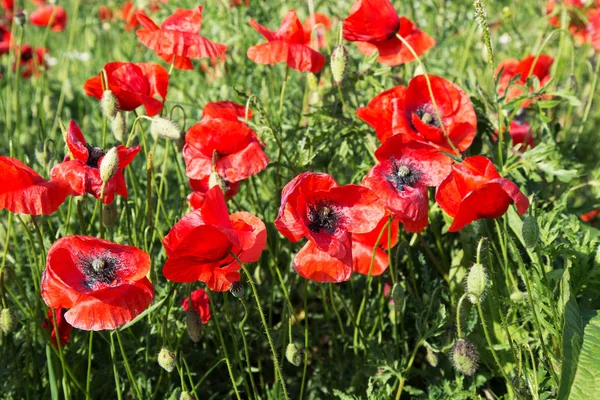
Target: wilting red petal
(304,59)
(314,264)
(263,30)
(200,304)
(371,20)
(44,15)
(521,134)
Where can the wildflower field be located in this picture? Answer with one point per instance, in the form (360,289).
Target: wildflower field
(285,199)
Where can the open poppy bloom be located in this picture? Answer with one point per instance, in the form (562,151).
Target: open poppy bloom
(200,187)
(64,328)
(239,153)
(81,170)
(103,284)
(364,244)
(475,190)
(177,41)
(199,247)
(320,23)
(200,304)
(24,191)
(105,13)
(32,61)
(287,45)
(517,72)
(134,85)
(374,24)
(314,206)
(575,10)
(410,113)
(55,16)
(402,177)
(128,14)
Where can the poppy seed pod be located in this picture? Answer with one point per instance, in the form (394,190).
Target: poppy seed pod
(477,281)
(117,127)
(166,359)
(237,289)
(165,128)
(194,325)
(8,320)
(530,231)
(339,63)
(465,357)
(108,104)
(294,355)
(109,165)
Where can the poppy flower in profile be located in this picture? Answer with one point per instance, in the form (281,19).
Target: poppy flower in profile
(314,206)
(594,28)
(199,247)
(55,16)
(364,244)
(64,328)
(24,191)
(32,61)
(81,170)
(200,304)
(320,23)
(591,217)
(410,113)
(287,45)
(402,176)
(514,73)
(200,187)
(105,13)
(239,153)
(374,24)
(103,284)
(134,85)
(176,40)
(4,40)
(128,14)
(475,190)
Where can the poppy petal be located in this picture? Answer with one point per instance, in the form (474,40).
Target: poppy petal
(184,20)
(304,59)
(314,264)
(264,31)
(269,53)
(371,20)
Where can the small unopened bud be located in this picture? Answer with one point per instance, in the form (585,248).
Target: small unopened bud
(194,325)
(294,355)
(165,128)
(109,214)
(186,396)
(237,289)
(166,359)
(20,18)
(431,358)
(339,63)
(118,126)
(8,320)
(398,295)
(518,296)
(109,165)
(215,180)
(465,357)
(477,281)
(43,153)
(530,231)
(108,104)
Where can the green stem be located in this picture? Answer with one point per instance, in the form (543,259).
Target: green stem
(88,380)
(246,351)
(127,367)
(282,95)
(113,356)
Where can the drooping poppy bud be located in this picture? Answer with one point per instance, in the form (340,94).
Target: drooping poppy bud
(237,289)
(518,296)
(108,104)
(294,355)
(118,126)
(109,165)
(339,63)
(186,396)
(530,231)
(398,295)
(193,321)
(110,214)
(465,357)
(431,358)
(165,128)
(8,320)
(477,281)
(166,359)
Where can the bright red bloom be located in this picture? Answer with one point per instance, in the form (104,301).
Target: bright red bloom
(24,191)
(374,24)
(177,40)
(315,207)
(286,45)
(128,14)
(64,328)
(402,177)
(199,246)
(4,40)
(576,24)
(133,84)
(475,190)
(103,284)
(200,187)
(520,132)
(32,61)
(55,16)
(81,171)
(594,28)
(410,113)
(239,151)
(518,72)
(200,304)
(105,13)
(238,3)
(322,24)
(7,5)
(590,216)
(363,245)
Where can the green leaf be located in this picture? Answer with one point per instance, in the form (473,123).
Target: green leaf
(143,314)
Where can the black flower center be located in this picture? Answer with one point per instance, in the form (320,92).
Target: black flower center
(402,175)
(428,116)
(98,269)
(95,153)
(323,215)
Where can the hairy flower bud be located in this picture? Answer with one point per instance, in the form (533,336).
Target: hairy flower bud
(186,396)
(398,295)
(431,358)
(294,355)
(118,126)
(194,325)
(237,289)
(165,128)
(518,296)
(215,180)
(8,320)
(108,104)
(20,18)
(530,231)
(339,63)
(109,214)
(166,359)
(477,281)
(465,357)
(109,165)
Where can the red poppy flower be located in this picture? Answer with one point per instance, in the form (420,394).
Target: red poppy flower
(238,3)
(128,14)
(409,112)
(590,216)
(55,16)
(133,84)
(374,24)
(105,13)
(576,24)
(24,191)
(4,40)
(177,40)
(239,152)
(286,45)
(64,328)
(402,176)
(7,5)
(200,304)
(320,23)
(81,171)
(200,187)
(315,207)
(475,190)
(364,244)
(594,28)
(32,61)
(518,72)
(199,246)
(103,284)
